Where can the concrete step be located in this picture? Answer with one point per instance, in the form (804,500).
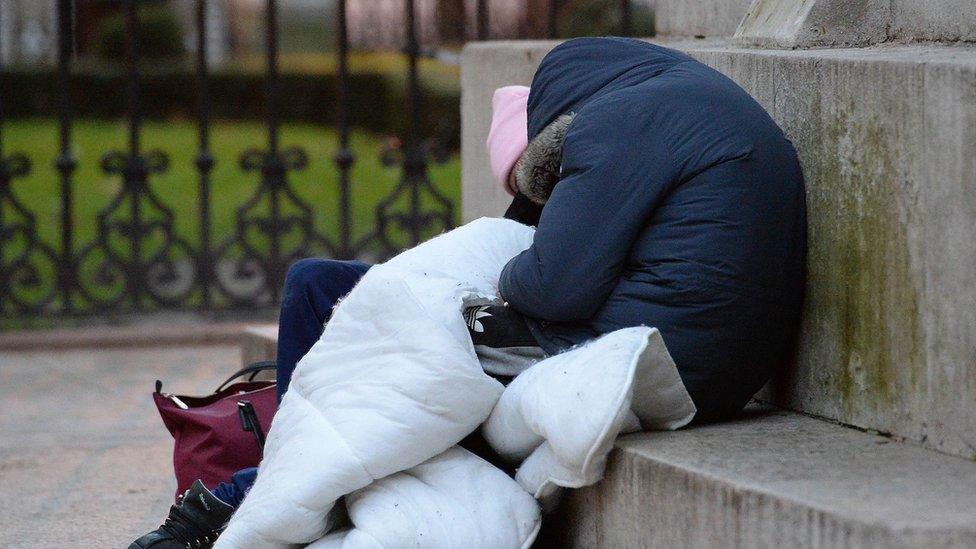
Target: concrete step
(886,138)
(771,479)
(259,342)
(169,329)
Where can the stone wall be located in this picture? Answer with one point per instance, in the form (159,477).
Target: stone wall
(933,20)
(886,139)
(832,23)
(706,18)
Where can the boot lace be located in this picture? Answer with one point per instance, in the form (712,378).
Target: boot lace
(185,530)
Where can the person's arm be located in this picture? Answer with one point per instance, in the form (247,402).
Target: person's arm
(613,177)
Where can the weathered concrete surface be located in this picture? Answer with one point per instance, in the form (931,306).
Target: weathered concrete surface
(776,480)
(85,460)
(708,18)
(815,23)
(845,23)
(886,138)
(935,20)
(485,68)
(259,342)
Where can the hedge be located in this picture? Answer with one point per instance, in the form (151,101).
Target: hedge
(375,103)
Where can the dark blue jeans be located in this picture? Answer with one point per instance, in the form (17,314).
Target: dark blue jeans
(312,288)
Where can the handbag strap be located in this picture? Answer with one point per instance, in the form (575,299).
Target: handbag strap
(252,369)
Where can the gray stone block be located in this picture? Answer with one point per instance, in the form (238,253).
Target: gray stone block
(886,139)
(708,18)
(259,343)
(935,20)
(814,23)
(776,479)
(486,66)
(844,23)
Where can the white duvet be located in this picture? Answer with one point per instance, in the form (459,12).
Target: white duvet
(362,451)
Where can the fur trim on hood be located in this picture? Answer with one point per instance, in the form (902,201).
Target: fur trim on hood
(537,172)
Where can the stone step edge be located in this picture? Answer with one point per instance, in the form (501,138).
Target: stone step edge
(133,335)
(802,504)
(772,478)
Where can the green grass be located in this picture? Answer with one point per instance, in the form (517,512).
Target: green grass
(178,187)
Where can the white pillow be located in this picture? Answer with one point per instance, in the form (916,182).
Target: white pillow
(454,500)
(563,414)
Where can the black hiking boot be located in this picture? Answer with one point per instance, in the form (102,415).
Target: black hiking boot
(194,522)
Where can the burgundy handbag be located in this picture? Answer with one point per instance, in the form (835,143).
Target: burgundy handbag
(220,434)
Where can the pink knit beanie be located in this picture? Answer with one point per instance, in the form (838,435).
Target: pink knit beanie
(508,136)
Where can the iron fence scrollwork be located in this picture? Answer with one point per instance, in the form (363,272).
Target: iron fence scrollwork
(23,258)
(138,260)
(263,217)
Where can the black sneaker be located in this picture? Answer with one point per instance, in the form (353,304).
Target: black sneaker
(194,522)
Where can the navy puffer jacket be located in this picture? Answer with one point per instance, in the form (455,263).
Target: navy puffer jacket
(680,205)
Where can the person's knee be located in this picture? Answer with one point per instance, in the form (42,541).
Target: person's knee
(304,275)
(314,279)
(303,271)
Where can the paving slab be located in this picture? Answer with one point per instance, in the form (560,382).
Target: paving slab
(146,332)
(84,458)
(259,342)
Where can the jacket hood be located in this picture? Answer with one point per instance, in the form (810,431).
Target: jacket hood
(538,170)
(580,70)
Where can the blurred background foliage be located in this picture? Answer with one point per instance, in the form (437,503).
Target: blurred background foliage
(160,35)
(602,18)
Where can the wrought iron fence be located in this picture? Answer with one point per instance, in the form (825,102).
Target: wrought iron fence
(138,261)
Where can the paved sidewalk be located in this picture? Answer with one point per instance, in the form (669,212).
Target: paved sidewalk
(84,459)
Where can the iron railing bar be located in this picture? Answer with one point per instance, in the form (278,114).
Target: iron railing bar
(414,159)
(273,165)
(552,19)
(484,30)
(4,181)
(1,90)
(204,160)
(344,157)
(625,18)
(271,89)
(413,82)
(66,162)
(132,172)
(132,72)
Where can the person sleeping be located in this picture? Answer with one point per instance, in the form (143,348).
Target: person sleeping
(678,203)
(663,196)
